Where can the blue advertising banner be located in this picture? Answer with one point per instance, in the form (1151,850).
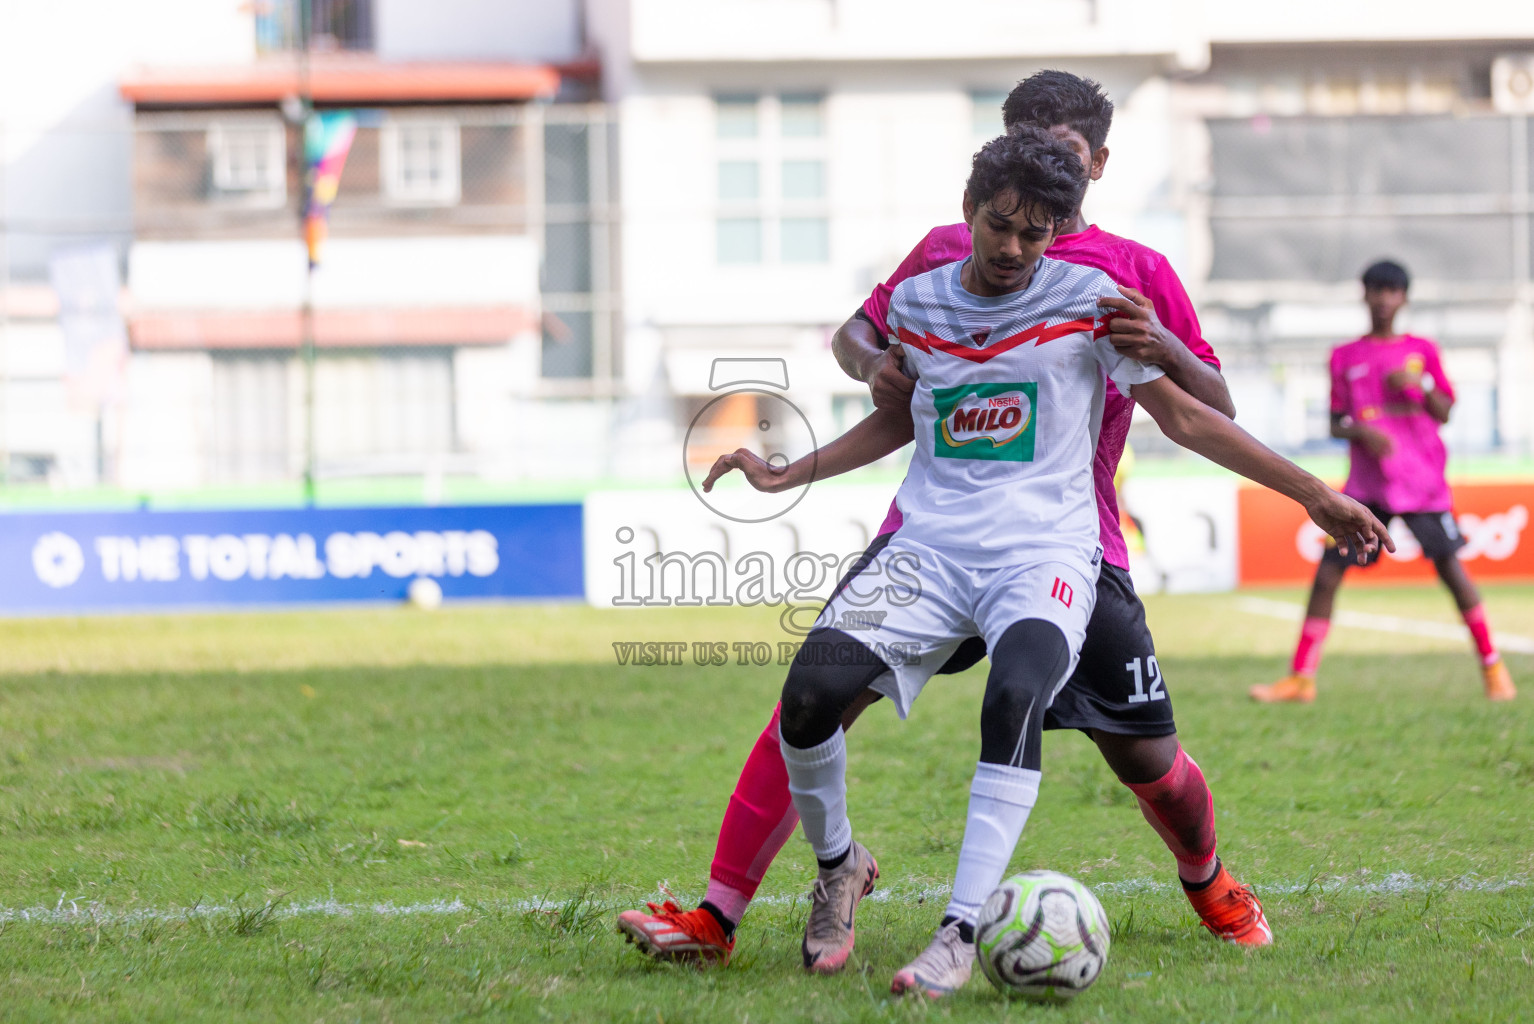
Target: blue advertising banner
(94,561)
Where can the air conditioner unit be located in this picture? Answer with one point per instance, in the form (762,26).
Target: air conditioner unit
(1512,83)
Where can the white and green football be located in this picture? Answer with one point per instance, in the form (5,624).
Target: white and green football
(1042,935)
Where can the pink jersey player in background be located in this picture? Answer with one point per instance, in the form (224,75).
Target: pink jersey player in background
(1390,396)
(1117,695)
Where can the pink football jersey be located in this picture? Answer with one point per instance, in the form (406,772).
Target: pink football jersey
(1411,477)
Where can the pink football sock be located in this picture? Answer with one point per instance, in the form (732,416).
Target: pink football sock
(1307,654)
(757,823)
(1475,618)
(1180,807)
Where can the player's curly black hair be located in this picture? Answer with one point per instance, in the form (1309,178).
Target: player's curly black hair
(1040,173)
(1050,98)
(1386,274)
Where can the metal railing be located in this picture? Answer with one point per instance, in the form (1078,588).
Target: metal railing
(317,25)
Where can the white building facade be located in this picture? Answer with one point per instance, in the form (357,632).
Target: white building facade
(713,179)
(781,156)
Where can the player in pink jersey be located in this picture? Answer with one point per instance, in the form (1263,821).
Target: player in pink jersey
(1389,397)
(1117,694)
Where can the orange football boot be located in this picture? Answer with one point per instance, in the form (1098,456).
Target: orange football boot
(1231,911)
(669,933)
(1290,688)
(1499,683)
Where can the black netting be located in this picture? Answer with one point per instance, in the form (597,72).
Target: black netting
(1324,156)
(1338,248)
(567,344)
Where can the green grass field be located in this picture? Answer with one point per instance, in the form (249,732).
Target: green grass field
(394,815)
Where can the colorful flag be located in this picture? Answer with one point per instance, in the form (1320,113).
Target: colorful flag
(327,139)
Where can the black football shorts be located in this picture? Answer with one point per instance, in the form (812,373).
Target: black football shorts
(1436,532)
(1117,686)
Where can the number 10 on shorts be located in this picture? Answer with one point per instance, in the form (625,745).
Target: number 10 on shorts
(1145,670)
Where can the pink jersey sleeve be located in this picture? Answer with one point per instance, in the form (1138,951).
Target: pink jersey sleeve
(1339,384)
(926,256)
(1173,307)
(1432,366)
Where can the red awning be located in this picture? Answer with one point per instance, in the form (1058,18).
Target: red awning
(338,79)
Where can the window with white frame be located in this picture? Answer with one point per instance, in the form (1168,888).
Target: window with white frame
(772,180)
(249,161)
(985,113)
(420,164)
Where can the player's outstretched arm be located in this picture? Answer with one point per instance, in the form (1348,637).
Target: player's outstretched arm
(878,435)
(1199,428)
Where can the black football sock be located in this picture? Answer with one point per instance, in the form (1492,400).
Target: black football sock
(1206,883)
(718,915)
(834,862)
(966,930)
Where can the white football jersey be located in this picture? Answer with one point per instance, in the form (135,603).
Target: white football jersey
(1008,401)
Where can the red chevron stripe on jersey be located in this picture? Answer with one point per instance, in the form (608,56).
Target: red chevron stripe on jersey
(1041,333)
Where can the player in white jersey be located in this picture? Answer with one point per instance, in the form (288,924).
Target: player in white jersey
(1000,527)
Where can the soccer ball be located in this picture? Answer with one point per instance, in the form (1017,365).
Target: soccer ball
(1043,936)
(425,593)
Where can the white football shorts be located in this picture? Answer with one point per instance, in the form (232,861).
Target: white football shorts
(912,607)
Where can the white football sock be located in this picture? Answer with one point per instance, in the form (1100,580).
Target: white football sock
(999,801)
(817,778)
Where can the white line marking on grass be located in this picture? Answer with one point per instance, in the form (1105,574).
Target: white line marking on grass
(73,911)
(1292,612)
(1394,882)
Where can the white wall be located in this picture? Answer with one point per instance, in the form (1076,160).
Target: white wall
(65,134)
(164,429)
(425,272)
(1366,20)
(898,144)
(910,30)
(538,31)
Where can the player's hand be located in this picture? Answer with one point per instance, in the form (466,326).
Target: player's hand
(890,384)
(1135,330)
(1404,379)
(1358,533)
(1377,441)
(759,473)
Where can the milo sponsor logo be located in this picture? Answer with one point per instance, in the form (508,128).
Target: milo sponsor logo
(985,421)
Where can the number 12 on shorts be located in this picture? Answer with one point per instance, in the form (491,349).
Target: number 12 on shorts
(1145,670)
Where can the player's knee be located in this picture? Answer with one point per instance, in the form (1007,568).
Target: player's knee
(1032,653)
(828,674)
(803,720)
(1029,659)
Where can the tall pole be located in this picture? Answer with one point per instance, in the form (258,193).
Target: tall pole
(306,313)
(306,318)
